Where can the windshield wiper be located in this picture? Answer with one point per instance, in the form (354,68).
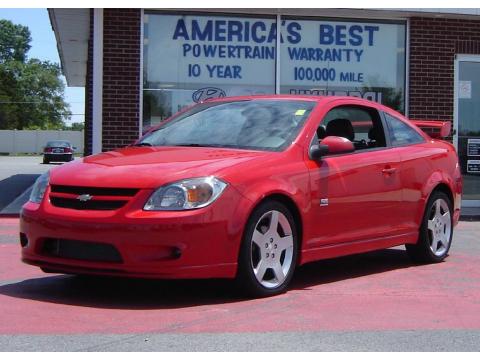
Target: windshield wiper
(199,145)
(143,144)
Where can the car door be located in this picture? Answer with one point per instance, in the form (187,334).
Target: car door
(355,195)
(414,171)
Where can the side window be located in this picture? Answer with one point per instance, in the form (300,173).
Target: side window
(401,133)
(361,125)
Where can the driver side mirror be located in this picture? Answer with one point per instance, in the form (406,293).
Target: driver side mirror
(331,145)
(317,151)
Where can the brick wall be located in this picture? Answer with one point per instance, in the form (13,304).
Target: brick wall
(433,45)
(121,77)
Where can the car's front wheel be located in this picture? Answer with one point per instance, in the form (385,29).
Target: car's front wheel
(268,253)
(436,231)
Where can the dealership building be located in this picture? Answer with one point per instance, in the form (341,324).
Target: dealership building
(139,66)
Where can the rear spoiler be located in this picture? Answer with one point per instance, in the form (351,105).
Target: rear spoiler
(434,128)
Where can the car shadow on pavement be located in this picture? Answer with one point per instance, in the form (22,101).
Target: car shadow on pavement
(123,293)
(350,267)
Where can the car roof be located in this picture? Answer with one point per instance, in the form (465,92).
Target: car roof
(63,141)
(267,97)
(313,98)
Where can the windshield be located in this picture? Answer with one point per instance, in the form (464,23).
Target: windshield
(248,124)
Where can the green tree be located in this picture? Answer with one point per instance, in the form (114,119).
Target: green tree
(14,41)
(76,126)
(31,91)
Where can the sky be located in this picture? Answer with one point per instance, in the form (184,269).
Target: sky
(44,47)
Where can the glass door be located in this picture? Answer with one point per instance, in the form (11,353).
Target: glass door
(467,125)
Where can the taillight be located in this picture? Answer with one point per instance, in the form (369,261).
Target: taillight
(48,149)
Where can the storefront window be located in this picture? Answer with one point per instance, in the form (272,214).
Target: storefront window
(355,58)
(190,58)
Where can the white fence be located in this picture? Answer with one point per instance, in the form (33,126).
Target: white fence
(33,141)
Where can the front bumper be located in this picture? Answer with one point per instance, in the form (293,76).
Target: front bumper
(202,243)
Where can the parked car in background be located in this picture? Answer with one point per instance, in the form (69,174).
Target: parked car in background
(250,188)
(58,151)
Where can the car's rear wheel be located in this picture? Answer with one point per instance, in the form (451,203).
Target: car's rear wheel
(45,160)
(436,231)
(268,253)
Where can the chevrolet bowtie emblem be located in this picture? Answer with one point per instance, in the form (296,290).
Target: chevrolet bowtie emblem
(84,197)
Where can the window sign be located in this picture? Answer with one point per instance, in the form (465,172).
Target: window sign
(464,89)
(322,57)
(473,147)
(211,50)
(190,58)
(473,166)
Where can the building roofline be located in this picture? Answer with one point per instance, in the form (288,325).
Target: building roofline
(72,31)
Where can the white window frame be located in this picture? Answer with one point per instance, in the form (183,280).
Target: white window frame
(456,77)
(97,79)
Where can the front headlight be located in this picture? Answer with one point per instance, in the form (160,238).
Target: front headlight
(39,188)
(186,194)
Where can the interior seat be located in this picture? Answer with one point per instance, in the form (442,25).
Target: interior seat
(375,137)
(340,127)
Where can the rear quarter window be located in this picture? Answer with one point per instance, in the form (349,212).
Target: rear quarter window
(400,133)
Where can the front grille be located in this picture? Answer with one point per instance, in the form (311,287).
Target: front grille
(81,250)
(90,198)
(86,205)
(93,190)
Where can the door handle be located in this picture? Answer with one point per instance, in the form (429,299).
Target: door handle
(389,171)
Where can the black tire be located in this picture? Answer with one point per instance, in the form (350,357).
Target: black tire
(422,251)
(46,161)
(250,252)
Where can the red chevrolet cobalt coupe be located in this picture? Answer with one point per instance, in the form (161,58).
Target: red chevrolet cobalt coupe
(249,188)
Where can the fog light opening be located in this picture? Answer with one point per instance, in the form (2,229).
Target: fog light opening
(23,240)
(176,253)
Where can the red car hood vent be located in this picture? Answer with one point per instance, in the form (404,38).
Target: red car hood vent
(142,167)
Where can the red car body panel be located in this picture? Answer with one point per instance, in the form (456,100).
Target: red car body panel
(375,200)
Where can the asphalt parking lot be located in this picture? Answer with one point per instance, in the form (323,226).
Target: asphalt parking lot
(17,174)
(376,301)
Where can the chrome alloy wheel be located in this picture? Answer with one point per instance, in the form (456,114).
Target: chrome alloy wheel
(439,227)
(272,249)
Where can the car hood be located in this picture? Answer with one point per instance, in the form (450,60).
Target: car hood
(150,167)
